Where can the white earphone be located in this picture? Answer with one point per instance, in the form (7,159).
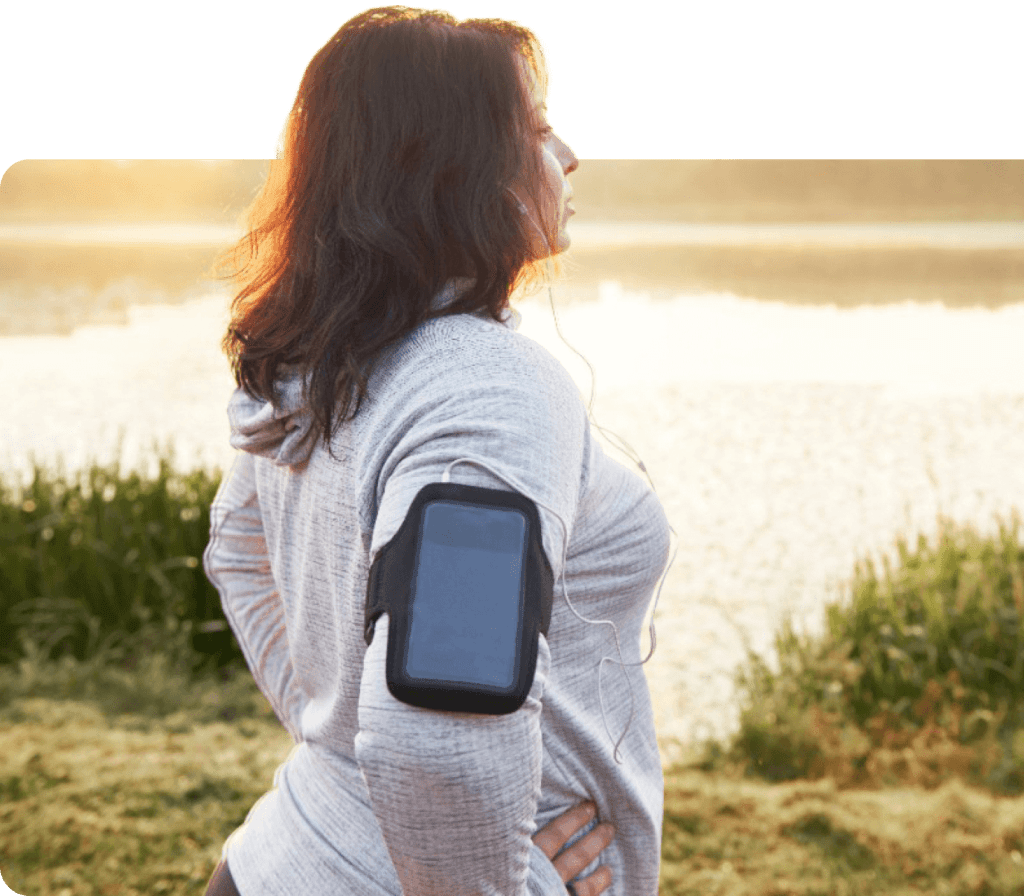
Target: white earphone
(524,210)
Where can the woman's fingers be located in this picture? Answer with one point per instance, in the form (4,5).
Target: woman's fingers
(594,884)
(570,862)
(554,835)
(574,859)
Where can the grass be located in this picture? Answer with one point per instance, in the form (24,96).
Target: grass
(918,677)
(736,836)
(884,756)
(127,804)
(98,802)
(106,565)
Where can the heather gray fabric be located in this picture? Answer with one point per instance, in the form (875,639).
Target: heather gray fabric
(379,797)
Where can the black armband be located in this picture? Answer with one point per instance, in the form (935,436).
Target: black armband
(468,590)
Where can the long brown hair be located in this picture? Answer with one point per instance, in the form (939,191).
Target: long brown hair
(407,132)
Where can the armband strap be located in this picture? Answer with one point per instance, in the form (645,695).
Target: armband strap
(391,589)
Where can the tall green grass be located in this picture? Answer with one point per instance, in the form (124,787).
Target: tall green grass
(918,676)
(106,565)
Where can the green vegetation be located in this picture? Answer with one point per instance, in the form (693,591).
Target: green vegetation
(885,756)
(105,567)
(918,677)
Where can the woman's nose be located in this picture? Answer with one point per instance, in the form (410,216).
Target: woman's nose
(567,157)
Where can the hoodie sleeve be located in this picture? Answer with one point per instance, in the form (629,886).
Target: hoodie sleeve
(237,563)
(456,794)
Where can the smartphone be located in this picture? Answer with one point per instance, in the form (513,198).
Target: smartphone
(469,592)
(467,597)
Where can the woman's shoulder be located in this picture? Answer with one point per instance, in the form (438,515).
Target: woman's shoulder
(467,350)
(479,372)
(470,389)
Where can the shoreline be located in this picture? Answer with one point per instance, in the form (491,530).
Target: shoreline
(56,287)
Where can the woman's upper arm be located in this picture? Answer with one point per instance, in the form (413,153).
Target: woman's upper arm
(456,793)
(506,429)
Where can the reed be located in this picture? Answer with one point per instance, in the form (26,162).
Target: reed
(105,565)
(918,676)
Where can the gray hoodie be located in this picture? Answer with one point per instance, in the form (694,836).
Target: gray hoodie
(379,797)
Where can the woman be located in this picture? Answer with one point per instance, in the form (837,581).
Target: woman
(375,352)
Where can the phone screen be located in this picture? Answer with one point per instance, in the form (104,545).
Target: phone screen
(466,602)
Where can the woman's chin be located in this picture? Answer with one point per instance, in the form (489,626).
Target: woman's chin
(546,250)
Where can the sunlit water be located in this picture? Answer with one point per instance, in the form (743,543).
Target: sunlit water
(585,234)
(785,442)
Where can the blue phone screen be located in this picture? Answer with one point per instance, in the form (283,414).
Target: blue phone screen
(466,602)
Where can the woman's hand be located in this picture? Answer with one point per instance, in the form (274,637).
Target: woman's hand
(552,837)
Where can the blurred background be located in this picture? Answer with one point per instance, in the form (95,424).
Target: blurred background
(811,357)
(80,241)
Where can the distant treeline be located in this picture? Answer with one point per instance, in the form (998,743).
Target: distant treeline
(667,189)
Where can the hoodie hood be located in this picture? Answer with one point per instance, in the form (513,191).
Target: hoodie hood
(282,433)
(285,433)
